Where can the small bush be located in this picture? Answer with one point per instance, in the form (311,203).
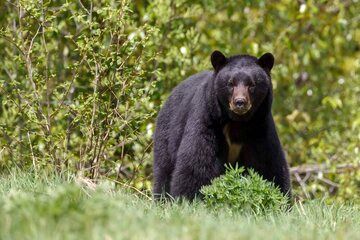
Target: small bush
(245,193)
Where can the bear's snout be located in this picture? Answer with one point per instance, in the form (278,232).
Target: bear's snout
(240,100)
(240,106)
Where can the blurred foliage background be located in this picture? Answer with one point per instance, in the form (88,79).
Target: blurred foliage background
(81,82)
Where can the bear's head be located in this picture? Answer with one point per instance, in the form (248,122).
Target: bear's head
(242,83)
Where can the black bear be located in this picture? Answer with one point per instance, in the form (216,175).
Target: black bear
(218,117)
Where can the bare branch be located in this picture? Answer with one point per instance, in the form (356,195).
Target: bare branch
(324,168)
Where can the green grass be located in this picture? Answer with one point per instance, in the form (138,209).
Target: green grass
(50,208)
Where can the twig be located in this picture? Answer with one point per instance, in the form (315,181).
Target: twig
(32,152)
(6,38)
(302,185)
(131,187)
(325,168)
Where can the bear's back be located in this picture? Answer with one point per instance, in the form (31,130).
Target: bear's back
(180,98)
(189,86)
(173,116)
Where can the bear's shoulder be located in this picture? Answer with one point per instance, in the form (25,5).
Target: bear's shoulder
(194,81)
(182,94)
(187,101)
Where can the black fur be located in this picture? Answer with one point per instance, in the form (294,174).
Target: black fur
(189,144)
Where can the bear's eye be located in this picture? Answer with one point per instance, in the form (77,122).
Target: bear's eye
(230,83)
(252,87)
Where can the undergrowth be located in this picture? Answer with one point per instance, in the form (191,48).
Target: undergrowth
(244,193)
(53,208)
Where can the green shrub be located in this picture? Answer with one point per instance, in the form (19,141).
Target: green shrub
(75,89)
(244,193)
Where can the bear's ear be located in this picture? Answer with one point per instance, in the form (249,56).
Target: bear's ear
(218,60)
(266,61)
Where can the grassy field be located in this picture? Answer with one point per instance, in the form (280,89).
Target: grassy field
(51,208)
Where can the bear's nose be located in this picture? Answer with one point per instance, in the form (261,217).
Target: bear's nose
(240,102)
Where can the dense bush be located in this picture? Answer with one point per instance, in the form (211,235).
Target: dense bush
(75,87)
(81,81)
(244,193)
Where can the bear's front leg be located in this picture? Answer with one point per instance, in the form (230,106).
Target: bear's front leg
(270,161)
(196,164)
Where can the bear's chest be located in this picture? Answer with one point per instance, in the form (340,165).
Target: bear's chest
(234,147)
